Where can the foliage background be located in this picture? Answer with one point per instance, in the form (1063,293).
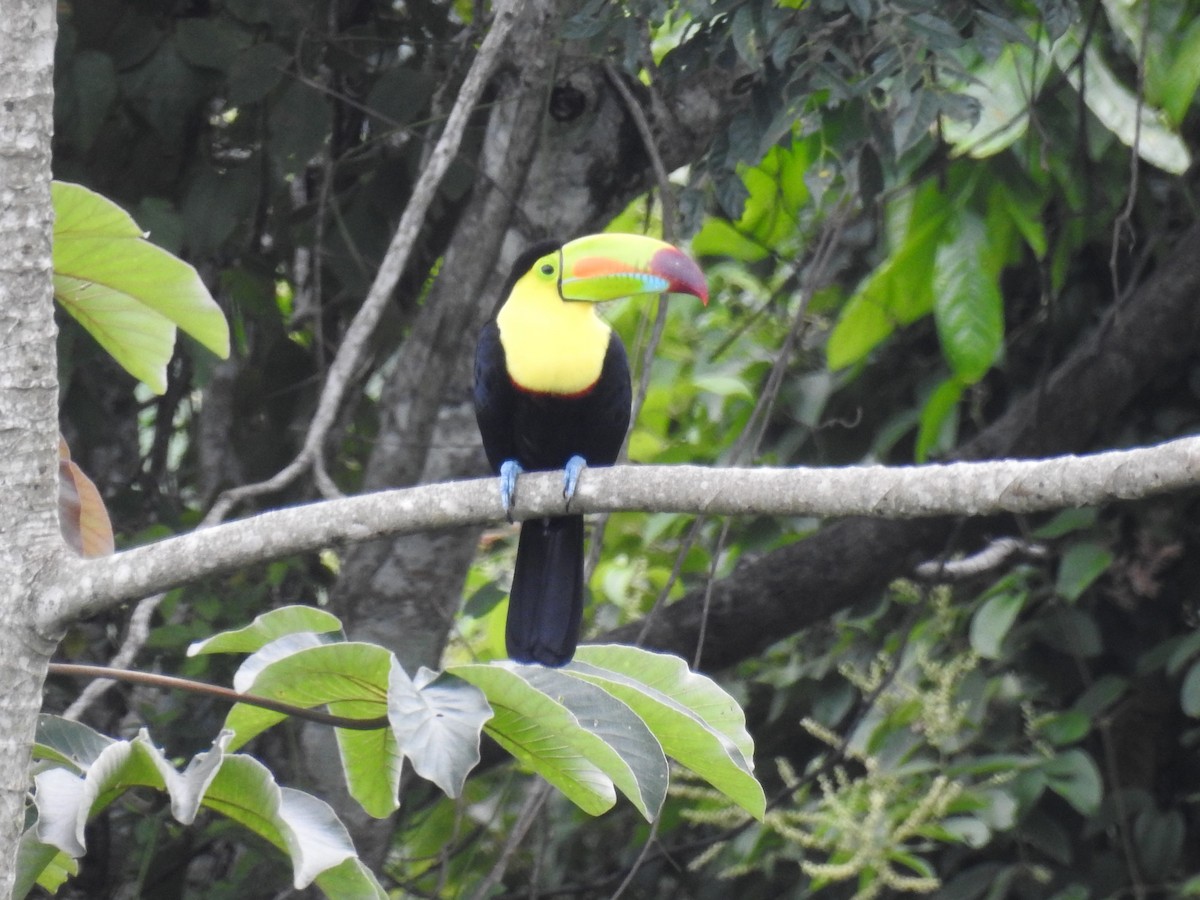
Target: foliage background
(913,215)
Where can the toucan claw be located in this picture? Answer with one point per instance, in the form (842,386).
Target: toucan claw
(575,465)
(509,470)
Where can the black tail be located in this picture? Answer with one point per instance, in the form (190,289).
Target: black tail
(546,603)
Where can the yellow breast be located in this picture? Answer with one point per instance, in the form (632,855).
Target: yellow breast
(551,346)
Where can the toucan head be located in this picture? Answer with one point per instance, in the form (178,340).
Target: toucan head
(600,267)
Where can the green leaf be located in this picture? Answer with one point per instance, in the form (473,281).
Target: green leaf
(437,725)
(237,786)
(937,418)
(671,676)
(255,72)
(1189,693)
(301,825)
(209,43)
(697,723)
(1100,695)
(1074,777)
(351,878)
(913,119)
(570,732)
(745,37)
(1023,205)
(526,731)
(1190,888)
(41,864)
(352,679)
(1063,728)
(1178,86)
(266,628)
(128,293)
(863,324)
(717,237)
(65,800)
(992,622)
(278,649)
(967,829)
(300,120)
(1081,565)
(1118,108)
(611,736)
(399,95)
(1066,522)
(795,165)
(722,386)
(968,307)
(1004,89)
(900,290)
(1183,650)
(775,193)
(1071,630)
(1159,837)
(67,742)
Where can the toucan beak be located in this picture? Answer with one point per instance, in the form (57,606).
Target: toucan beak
(610,266)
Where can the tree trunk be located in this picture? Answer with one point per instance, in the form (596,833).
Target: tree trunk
(30,543)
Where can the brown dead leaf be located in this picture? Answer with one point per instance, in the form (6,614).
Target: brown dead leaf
(82,515)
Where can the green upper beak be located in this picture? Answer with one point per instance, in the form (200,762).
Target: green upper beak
(610,266)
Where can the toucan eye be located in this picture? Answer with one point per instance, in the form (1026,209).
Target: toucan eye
(547,269)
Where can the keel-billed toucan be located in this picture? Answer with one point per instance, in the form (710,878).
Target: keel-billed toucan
(552,392)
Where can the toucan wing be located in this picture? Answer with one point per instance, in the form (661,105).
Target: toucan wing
(495,397)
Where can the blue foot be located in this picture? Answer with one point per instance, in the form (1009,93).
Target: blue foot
(575,465)
(509,470)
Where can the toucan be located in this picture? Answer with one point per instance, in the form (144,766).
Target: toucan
(552,392)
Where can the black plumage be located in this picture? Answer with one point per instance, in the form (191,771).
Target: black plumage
(541,432)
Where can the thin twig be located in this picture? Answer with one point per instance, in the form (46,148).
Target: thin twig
(667,200)
(651,838)
(1124,219)
(708,591)
(170,682)
(528,815)
(323,480)
(994,555)
(661,176)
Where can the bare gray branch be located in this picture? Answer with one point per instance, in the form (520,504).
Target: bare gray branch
(963,488)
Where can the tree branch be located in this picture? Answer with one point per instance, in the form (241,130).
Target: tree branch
(964,488)
(171,683)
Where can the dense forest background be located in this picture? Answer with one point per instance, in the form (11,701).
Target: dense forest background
(933,231)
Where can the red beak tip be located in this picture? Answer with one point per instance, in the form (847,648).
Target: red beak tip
(681,271)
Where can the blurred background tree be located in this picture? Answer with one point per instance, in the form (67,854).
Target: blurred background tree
(933,230)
